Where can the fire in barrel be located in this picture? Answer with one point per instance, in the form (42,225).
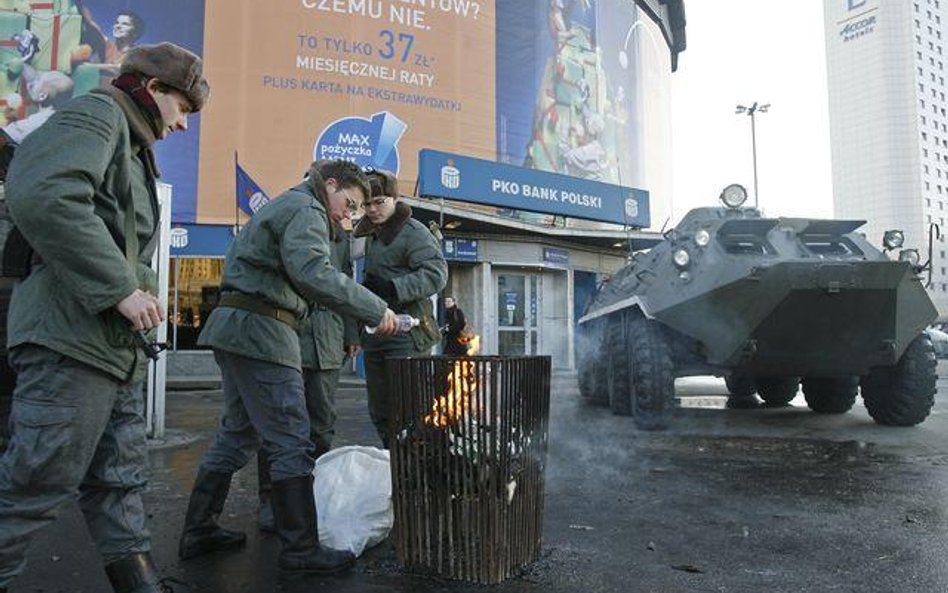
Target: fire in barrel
(468,449)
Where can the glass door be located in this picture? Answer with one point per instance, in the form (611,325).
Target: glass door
(517,314)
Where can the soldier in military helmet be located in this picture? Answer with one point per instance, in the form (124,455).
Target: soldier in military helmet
(82,192)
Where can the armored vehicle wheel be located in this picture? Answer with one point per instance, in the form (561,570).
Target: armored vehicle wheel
(642,371)
(903,395)
(777,391)
(830,395)
(740,386)
(741,389)
(618,372)
(593,384)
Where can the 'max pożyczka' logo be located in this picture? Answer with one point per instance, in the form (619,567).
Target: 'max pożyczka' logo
(363,141)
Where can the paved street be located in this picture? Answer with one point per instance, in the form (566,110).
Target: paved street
(776,500)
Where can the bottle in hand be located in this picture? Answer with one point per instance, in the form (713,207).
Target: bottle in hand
(405,323)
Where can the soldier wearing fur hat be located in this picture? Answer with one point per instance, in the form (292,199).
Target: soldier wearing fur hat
(403,265)
(82,192)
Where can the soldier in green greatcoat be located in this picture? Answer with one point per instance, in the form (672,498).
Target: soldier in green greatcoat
(403,265)
(326,339)
(82,192)
(277,266)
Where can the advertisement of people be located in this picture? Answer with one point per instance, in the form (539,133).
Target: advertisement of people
(52,51)
(546,84)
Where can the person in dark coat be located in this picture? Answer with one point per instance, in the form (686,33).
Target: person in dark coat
(454,323)
(405,267)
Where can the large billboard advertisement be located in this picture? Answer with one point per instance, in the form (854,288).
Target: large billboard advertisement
(373,81)
(53,50)
(573,87)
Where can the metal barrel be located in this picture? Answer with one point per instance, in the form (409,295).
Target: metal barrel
(468,445)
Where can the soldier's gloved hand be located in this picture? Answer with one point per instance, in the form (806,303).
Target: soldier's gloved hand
(143,311)
(385,289)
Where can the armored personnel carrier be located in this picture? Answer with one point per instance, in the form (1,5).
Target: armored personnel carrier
(771,304)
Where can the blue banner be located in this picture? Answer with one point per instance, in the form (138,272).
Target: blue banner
(459,249)
(250,197)
(555,255)
(466,179)
(199,240)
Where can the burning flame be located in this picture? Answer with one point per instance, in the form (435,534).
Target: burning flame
(456,402)
(473,344)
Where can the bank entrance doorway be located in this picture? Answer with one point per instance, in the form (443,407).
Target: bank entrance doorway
(518,312)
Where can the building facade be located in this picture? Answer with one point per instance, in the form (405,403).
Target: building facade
(888,121)
(572,97)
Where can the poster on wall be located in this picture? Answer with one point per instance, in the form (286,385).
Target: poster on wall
(569,95)
(55,50)
(560,86)
(372,81)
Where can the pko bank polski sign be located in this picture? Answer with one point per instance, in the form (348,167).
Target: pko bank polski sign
(466,179)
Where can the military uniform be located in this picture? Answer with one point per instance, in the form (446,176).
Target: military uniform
(259,354)
(324,334)
(77,417)
(404,265)
(276,267)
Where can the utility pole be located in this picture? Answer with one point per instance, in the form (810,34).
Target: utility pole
(752,112)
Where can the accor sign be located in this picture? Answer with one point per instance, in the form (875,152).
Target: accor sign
(858,27)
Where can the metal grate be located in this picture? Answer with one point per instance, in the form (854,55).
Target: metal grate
(467,472)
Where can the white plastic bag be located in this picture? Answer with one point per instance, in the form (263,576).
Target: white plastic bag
(353,490)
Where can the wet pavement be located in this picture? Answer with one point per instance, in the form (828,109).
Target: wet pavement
(773,499)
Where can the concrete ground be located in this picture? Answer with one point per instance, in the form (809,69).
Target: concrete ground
(776,500)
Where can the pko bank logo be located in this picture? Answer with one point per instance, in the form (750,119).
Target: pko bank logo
(363,141)
(631,207)
(179,237)
(450,176)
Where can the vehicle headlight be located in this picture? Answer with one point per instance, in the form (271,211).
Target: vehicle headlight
(682,258)
(893,239)
(702,237)
(910,256)
(734,195)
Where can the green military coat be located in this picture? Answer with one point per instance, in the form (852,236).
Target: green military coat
(283,257)
(67,191)
(324,333)
(405,252)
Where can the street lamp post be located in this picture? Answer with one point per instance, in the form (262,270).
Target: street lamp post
(752,111)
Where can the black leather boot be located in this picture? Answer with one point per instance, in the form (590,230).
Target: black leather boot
(202,534)
(295,512)
(264,488)
(134,573)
